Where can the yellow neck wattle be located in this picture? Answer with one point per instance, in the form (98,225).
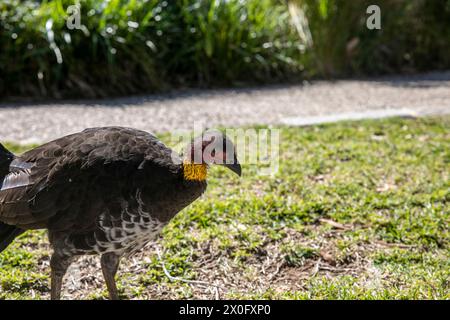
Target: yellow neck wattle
(193,171)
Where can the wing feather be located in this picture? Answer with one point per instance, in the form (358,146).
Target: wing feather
(60,183)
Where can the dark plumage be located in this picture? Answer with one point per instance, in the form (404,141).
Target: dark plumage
(105,191)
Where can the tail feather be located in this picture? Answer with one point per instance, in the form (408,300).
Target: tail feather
(6,158)
(8,234)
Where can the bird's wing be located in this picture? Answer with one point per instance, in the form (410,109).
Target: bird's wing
(63,183)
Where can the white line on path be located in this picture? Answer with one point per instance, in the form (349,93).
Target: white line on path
(348,116)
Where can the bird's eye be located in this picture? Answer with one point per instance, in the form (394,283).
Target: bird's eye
(213,153)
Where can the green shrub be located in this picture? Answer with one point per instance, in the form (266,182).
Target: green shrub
(414,36)
(136,46)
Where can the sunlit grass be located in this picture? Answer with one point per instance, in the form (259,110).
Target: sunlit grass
(358,210)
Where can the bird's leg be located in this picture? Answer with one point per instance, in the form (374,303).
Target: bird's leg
(110,264)
(58,264)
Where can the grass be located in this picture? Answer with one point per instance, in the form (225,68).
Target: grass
(358,210)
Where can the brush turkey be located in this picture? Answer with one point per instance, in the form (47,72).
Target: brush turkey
(106,191)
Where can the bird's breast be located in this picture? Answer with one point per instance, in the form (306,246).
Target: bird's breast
(131,222)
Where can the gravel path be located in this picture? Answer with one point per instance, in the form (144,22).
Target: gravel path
(423,94)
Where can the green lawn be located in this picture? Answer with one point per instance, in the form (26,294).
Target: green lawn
(358,210)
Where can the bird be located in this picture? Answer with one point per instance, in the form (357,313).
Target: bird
(104,191)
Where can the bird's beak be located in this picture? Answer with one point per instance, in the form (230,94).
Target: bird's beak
(235,167)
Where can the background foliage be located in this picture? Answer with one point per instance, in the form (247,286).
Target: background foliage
(132,46)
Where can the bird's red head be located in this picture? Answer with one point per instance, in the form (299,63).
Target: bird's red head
(213,147)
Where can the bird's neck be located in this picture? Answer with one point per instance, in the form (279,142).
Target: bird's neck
(194,171)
